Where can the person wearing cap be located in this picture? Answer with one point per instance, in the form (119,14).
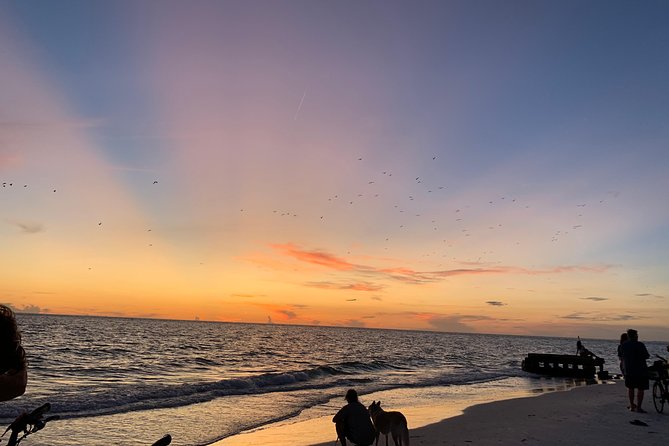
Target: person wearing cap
(352,422)
(636,372)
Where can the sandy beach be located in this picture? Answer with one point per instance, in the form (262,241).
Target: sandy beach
(582,415)
(589,415)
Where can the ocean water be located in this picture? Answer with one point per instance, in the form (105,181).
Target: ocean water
(120,381)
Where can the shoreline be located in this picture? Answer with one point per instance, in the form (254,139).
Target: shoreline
(586,415)
(423,407)
(560,413)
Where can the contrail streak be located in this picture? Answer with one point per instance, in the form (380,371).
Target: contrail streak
(300,106)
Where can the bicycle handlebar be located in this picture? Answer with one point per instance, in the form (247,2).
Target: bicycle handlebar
(167,439)
(28,423)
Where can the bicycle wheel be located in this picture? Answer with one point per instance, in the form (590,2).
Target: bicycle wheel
(658,396)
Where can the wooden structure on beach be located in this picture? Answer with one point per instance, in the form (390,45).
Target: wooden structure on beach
(572,366)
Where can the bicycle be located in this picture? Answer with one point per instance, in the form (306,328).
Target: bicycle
(30,422)
(658,373)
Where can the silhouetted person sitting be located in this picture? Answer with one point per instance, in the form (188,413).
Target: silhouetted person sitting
(353,422)
(13,370)
(582,351)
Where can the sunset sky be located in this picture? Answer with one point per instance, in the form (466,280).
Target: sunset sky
(478,166)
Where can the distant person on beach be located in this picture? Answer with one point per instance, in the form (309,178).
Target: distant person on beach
(582,351)
(623,339)
(352,422)
(636,372)
(13,369)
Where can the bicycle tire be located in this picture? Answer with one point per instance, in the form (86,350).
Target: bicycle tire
(658,396)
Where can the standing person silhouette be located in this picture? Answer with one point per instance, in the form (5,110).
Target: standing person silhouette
(636,372)
(623,339)
(353,422)
(13,368)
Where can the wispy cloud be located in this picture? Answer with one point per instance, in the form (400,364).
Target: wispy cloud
(287,313)
(315,257)
(495,303)
(411,276)
(649,295)
(595,298)
(64,124)
(132,169)
(27,227)
(599,317)
(358,286)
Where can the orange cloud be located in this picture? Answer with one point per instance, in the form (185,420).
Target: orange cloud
(315,257)
(358,286)
(405,274)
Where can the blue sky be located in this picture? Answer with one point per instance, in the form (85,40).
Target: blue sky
(522,143)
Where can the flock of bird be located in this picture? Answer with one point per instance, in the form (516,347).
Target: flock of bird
(421,208)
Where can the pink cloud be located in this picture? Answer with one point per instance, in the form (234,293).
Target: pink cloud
(409,275)
(315,257)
